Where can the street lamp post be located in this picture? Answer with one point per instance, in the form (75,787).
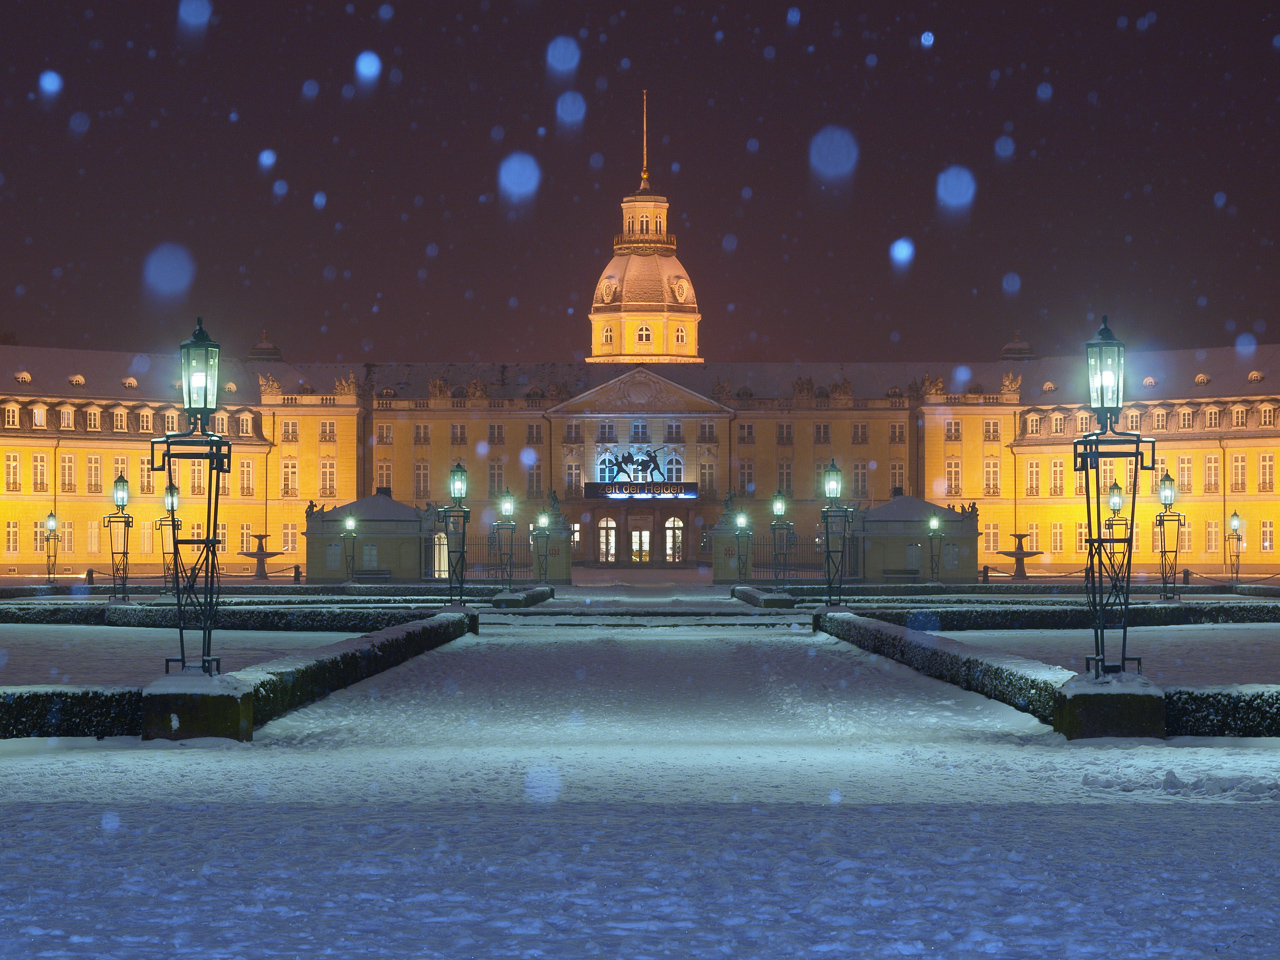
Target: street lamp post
(169,525)
(781,529)
(118,525)
(935,546)
(196,587)
(349,537)
(835,528)
(455,519)
(1110,539)
(505,532)
(1237,544)
(51,538)
(541,541)
(742,538)
(1169,554)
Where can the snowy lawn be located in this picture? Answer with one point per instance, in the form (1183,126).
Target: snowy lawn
(642,790)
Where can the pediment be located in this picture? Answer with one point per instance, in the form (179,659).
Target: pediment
(640,391)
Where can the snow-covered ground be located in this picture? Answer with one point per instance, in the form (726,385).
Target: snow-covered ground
(644,788)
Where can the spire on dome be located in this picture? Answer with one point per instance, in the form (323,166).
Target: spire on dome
(644,140)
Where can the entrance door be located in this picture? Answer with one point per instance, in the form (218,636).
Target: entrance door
(641,534)
(673,539)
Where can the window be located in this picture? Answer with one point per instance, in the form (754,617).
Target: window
(1160,420)
(533,435)
(1184,419)
(37,418)
(39,479)
(1059,424)
(332,556)
(220,424)
(68,536)
(1084,422)
(644,335)
(951,556)
(38,543)
(146,478)
(1158,468)
(858,486)
(421,480)
(1082,534)
(12,473)
(1211,418)
(458,434)
(10,416)
(383,433)
(606,468)
(1267,533)
(1184,539)
(246,537)
(382,475)
(680,335)
(991,478)
(1211,542)
(1211,473)
(607,533)
(573,432)
(496,486)
(897,476)
(119,468)
(421,433)
(573,479)
(197,478)
(674,540)
(640,431)
(990,537)
(497,434)
(1057,478)
(746,432)
(369,556)
(822,433)
(1239,417)
(707,432)
(912,553)
(991,430)
(66,419)
(1266,417)
(1184,474)
(1238,472)
(533,481)
(784,478)
(707,479)
(897,433)
(246,477)
(953,478)
(245,424)
(288,478)
(859,433)
(1033,478)
(119,421)
(11,536)
(328,431)
(170,423)
(644,223)
(607,433)
(289,538)
(1033,426)
(1033,536)
(673,469)
(952,430)
(67,473)
(785,437)
(1266,472)
(288,431)
(607,335)
(746,478)
(328,478)
(148,542)
(92,420)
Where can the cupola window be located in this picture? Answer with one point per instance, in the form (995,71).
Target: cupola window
(607,335)
(644,223)
(657,223)
(644,335)
(680,337)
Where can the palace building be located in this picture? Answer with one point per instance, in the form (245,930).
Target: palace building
(642,442)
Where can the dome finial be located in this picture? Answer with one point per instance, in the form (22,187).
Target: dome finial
(644,140)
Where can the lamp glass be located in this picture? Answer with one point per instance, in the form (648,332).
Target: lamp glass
(1115,496)
(458,482)
(741,520)
(171,497)
(350,522)
(51,523)
(1105,360)
(1235,522)
(1168,489)
(507,504)
(779,504)
(934,522)
(120,492)
(199,374)
(543,520)
(831,481)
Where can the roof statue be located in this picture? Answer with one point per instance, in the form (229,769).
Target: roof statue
(269,385)
(476,389)
(345,386)
(842,388)
(721,392)
(1011,383)
(439,388)
(802,387)
(559,391)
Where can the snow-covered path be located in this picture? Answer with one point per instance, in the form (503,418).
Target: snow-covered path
(639,789)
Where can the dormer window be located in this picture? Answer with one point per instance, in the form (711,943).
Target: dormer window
(11,417)
(76,380)
(1255,376)
(1149,382)
(22,376)
(1201,379)
(229,386)
(130,383)
(1049,387)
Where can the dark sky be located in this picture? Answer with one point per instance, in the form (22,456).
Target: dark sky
(1144,186)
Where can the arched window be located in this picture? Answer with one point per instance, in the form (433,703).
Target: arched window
(631,224)
(606,467)
(644,335)
(607,537)
(673,469)
(680,335)
(673,540)
(657,223)
(644,223)
(607,335)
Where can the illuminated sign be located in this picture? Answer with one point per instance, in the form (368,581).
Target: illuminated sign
(640,490)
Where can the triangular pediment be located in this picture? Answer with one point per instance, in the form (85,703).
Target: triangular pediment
(640,391)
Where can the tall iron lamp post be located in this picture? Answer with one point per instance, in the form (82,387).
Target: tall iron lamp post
(1169,554)
(51,538)
(168,525)
(1236,539)
(455,519)
(835,529)
(541,540)
(742,539)
(196,586)
(935,545)
(349,537)
(505,529)
(781,529)
(1110,539)
(118,525)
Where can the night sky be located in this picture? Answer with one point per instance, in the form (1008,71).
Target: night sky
(1140,178)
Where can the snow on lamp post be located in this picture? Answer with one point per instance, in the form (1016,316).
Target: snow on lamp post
(454,519)
(1110,538)
(835,530)
(196,587)
(118,525)
(781,529)
(505,533)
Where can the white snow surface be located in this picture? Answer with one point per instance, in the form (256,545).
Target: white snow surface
(587,788)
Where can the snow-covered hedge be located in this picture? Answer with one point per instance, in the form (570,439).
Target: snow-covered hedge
(1248,710)
(1025,684)
(303,619)
(69,712)
(1074,617)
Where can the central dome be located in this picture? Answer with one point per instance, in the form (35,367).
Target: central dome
(644,281)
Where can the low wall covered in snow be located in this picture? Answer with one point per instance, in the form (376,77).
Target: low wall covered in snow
(278,686)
